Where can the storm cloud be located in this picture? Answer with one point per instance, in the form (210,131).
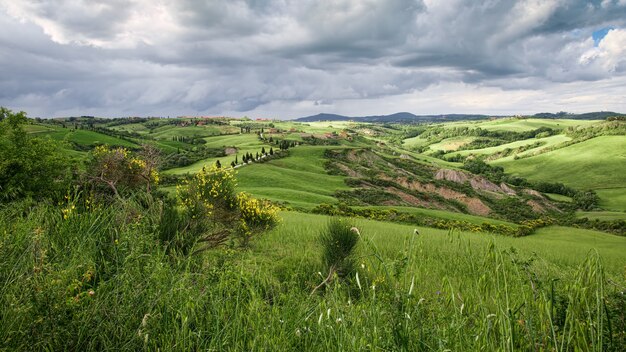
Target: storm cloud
(288,58)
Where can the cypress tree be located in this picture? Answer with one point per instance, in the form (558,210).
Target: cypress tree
(271,151)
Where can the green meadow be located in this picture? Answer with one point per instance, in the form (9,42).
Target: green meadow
(546,142)
(87,138)
(450,144)
(593,164)
(612,198)
(520,125)
(602,215)
(299,179)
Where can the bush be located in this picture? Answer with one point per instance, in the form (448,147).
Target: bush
(30,166)
(216,213)
(119,171)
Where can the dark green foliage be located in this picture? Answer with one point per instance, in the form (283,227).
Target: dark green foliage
(586,200)
(555,187)
(366,196)
(189,156)
(338,242)
(513,209)
(479,167)
(30,167)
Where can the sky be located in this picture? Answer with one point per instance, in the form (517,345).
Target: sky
(291,58)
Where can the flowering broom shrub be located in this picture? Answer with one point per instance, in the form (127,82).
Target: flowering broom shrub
(217,213)
(255,216)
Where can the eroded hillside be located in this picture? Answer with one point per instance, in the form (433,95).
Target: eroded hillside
(379,179)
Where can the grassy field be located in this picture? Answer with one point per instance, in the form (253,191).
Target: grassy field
(165,146)
(36,128)
(299,179)
(612,198)
(593,164)
(88,138)
(168,132)
(132,127)
(414,142)
(573,244)
(445,215)
(548,142)
(244,143)
(451,144)
(315,127)
(520,125)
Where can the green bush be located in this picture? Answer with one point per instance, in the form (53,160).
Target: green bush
(29,166)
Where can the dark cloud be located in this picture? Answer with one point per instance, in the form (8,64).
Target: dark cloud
(147,57)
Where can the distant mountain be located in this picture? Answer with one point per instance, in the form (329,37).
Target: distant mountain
(397,117)
(324,117)
(408,117)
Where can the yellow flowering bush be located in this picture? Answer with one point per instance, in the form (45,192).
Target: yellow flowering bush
(208,190)
(255,216)
(218,213)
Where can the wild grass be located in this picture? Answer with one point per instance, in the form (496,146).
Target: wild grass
(100,279)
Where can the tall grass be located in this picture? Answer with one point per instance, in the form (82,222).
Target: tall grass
(102,279)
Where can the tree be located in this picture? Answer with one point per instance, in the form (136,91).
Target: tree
(218,164)
(271,151)
(263,150)
(30,166)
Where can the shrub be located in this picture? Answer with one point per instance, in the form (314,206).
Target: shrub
(216,213)
(119,171)
(256,216)
(30,166)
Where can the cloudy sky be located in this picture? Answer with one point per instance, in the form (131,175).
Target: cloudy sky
(292,58)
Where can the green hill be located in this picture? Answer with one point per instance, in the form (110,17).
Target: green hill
(593,164)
